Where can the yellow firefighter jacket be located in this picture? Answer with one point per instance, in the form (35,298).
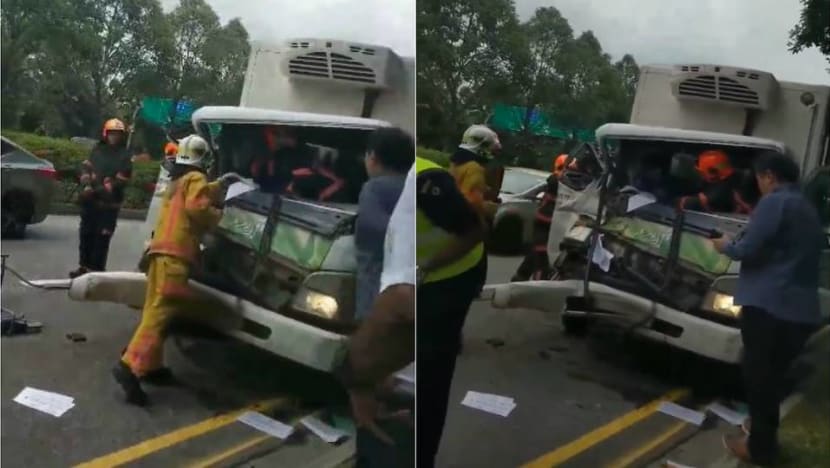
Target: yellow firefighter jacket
(185,215)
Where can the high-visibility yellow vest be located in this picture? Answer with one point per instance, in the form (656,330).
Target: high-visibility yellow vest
(431,239)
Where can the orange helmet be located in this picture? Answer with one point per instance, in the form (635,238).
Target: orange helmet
(559,164)
(113,125)
(170,149)
(714,165)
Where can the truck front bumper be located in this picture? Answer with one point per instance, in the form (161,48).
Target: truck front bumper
(649,319)
(235,317)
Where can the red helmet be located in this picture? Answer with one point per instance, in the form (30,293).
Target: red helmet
(559,164)
(714,166)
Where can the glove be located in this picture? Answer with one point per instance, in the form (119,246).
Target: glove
(229,178)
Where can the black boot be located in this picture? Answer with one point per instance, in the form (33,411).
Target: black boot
(130,383)
(80,271)
(162,376)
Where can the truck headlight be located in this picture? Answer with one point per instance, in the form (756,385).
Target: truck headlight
(316,303)
(722,304)
(329,295)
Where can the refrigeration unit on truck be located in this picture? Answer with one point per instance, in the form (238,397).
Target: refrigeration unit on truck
(283,268)
(629,257)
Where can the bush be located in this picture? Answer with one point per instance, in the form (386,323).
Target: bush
(438,157)
(67,157)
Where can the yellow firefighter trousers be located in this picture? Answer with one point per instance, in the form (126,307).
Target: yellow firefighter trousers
(167,290)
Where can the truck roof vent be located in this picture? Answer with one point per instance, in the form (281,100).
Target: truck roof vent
(356,64)
(728,85)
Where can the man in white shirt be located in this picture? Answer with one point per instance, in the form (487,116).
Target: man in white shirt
(385,341)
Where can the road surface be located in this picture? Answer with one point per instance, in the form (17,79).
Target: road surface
(182,426)
(577,398)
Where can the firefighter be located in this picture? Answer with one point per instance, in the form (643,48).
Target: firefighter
(452,268)
(187,212)
(103,177)
(170,150)
(535,265)
(320,181)
(721,183)
(273,170)
(468,165)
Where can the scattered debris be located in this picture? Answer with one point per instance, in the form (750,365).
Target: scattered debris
(729,415)
(11,324)
(671,464)
(682,413)
(47,402)
(490,403)
(76,337)
(495,342)
(322,430)
(265,424)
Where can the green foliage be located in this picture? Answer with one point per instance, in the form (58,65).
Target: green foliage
(67,157)
(813,28)
(69,64)
(439,157)
(473,54)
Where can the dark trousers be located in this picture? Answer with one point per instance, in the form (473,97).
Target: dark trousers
(372,452)
(770,346)
(97,227)
(534,266)
(442,307)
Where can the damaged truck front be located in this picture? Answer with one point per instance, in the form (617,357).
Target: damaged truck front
(623,253)
(279,272)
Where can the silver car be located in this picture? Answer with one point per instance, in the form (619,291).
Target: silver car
(28,184)
(521,190)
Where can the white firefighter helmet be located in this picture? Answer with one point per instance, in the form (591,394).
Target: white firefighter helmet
(192,151)
(481,140)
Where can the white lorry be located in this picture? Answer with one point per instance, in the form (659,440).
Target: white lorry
(282,267)
(625,255)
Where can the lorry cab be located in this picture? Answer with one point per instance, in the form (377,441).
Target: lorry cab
(622,251)
(279,272)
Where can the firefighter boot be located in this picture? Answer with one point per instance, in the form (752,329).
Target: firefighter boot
(130,383)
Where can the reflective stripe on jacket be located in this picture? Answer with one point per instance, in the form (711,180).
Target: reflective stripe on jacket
(432,239)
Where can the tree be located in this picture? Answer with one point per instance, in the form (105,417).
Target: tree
(462,48)
(813,28)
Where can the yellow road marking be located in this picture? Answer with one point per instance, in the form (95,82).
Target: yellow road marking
(574,448)
(634,455)
(164,441)
(219,457)
(222,456)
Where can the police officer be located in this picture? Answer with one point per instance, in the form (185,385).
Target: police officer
(103,178)
(451,271)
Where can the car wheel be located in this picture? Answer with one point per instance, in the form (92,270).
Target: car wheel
(16,211)
(575,325)
(506,237)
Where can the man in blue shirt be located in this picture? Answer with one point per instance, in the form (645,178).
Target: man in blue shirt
(778,290)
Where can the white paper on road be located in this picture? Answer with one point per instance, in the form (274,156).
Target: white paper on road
(671,464)
(322,430)
(602,257)
(640,200)
(727,414)
(490,403)
(47,402)
(238,188)
(267,425)
(681,412)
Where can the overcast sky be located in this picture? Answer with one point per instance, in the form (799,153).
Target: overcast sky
(382,22)
(746,33)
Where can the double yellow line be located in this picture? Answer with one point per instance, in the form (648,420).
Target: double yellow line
(572,449)
(178,436)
